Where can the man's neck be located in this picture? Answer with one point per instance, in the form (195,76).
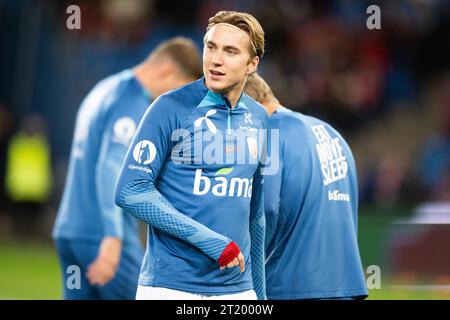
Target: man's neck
(234,94)
(143,74)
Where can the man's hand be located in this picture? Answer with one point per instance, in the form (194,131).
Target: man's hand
(104,267)
(232,257)
(238,261)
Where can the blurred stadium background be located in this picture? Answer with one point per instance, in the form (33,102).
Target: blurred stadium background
(387,91)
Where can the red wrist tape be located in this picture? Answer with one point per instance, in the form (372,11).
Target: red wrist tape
(230,252)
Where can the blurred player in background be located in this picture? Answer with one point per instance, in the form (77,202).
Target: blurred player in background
(205,217)
(311,208)
(90,230)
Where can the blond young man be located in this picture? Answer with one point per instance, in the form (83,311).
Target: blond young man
(183,178)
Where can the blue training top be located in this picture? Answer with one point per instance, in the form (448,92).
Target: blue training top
(311,207)
(105,125)
(198,188)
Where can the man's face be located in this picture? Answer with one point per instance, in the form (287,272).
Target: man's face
(226,59)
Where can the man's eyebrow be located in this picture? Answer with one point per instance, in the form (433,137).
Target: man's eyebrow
(227,47)
(231,48)
(211,42)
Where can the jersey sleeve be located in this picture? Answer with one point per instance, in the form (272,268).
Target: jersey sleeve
(273,185)
(116,135)
(272,198)
(258,224)
(137,191)
(257,235)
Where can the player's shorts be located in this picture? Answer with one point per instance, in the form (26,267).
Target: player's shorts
(78,255)
(158,293)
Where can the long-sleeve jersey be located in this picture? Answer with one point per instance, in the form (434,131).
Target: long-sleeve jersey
(105,124)
(311,207)
(192,173)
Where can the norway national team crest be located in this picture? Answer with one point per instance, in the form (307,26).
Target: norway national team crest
(252,147)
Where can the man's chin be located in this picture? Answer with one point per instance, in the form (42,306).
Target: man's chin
(216,86)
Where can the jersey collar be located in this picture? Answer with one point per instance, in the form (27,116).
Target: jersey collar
(218,100)
(128,73)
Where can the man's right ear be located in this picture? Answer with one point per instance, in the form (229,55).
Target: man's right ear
(253,65)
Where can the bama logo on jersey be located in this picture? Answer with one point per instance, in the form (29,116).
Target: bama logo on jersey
(144,152)
(220,186)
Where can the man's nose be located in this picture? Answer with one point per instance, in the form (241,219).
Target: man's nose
(217,58)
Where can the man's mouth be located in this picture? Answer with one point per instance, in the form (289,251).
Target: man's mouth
(216,74)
